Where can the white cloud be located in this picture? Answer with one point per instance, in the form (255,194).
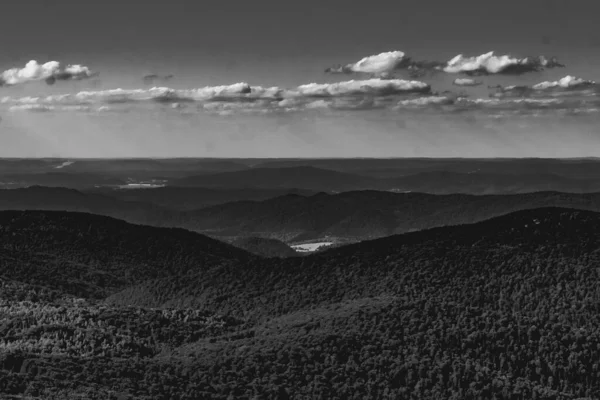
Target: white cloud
(489,63)
(373,87)
(383,65)
(379,64)
(32,107)
(352,95)
(512,102)
(50,72)
(466,82)
(235,93)
(426,101)
(567,87)
(568,82)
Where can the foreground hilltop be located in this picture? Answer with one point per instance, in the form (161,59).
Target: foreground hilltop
(508,308)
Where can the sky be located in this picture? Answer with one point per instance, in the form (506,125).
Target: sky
(276,46)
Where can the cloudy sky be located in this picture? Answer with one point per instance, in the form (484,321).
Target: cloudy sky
(278,49)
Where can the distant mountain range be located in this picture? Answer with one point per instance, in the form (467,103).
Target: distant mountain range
(193,198)
(304,177)
(132,167)
(439,176)
(436,182)
(355,216)
(399,167)
(342,218)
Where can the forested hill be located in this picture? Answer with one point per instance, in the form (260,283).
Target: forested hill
(265,247)
(508,308)
(504,245)
(344,217)
(91,255)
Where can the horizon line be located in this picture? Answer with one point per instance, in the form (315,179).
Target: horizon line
(296,158)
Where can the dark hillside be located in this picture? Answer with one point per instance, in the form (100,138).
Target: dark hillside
(368,214)
(507,308)
(382,267)
(89,255)
(193,198)
(265,247)
(293,217)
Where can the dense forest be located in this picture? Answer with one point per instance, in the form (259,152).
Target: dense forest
(264,247)
(508,308)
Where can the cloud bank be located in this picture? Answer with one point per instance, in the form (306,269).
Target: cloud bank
(385,64)
(242,93)
(373,87)
(382,93)
(489,63)
(568,82)
(49,72)
(567,87)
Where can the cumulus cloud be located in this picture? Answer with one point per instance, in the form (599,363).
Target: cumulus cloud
(569,86)
(466,82)
(568,82)
(49,72)
(380,64)
(390,95)
(235,93)
(383,65)
(489,63)
(372,87)
(426,101)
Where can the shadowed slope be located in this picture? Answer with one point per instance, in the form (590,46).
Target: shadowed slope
(429,259)
(498,309)
(91,256)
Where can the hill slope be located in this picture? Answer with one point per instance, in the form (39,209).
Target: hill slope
(355,216)
(265,247)
(193,198)
(344,218)
(559,232)
(91,256)
(508,308)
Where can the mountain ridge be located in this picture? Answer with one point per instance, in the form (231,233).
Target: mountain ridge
(506,308)
(293,218)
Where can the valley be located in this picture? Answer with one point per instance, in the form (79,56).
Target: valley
(449,312)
